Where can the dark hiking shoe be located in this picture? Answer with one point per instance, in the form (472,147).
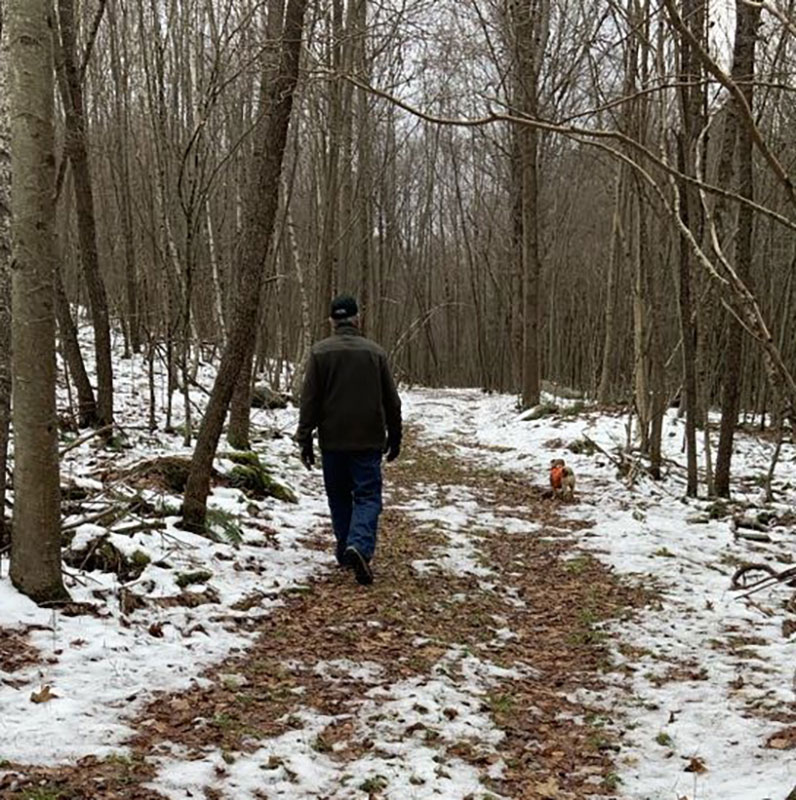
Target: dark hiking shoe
(342,561)
(361,568)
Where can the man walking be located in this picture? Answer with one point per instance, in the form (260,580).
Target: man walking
(349,395)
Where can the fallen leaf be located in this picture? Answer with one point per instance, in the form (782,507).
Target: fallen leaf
(780,744)
(549,789)
(180,704)
(43,696)
(696,765)
(782,740)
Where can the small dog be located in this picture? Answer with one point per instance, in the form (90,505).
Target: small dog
(562,479)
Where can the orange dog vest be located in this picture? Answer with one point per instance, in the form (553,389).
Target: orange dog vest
(556,477)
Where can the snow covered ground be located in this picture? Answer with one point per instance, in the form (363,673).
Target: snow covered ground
(292,765)
(740,667)
(699,677)
(103,668)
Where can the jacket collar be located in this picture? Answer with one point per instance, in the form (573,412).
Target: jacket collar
(344,327)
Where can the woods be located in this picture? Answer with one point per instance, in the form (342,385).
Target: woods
(593,195)
(570,225)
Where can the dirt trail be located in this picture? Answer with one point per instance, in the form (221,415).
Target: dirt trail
(503,625)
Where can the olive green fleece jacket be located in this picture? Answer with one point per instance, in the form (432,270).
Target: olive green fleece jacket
(349,394)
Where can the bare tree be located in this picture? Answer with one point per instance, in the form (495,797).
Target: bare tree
(260,214)
(68,334)
(36,533)
(240,405)
(530,27)
(692,112)
(5,265)
(747,20)
(76,147)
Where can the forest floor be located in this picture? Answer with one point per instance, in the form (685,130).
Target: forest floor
(512,646)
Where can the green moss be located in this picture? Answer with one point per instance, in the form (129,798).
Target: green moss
(578,565)
(251,476)
(718,509)
(574,410)
(611,781)
(500,703)
(245,458)
(664,552)
(582,447)
(189,578)
(375,784)
(320,745)
(42,793)
(140,559)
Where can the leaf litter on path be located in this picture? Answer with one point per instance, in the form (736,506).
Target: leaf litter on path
(446,682)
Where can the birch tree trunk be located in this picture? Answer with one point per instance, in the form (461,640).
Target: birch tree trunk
(121,95)
(36,534)
(641,333)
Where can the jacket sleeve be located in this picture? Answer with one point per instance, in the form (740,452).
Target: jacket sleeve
(310,402)
(391,402)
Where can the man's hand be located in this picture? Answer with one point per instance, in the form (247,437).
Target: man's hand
(393,447)
(307,455)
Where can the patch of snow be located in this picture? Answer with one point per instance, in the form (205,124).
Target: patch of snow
(399,720)
(102,671)
(742,664)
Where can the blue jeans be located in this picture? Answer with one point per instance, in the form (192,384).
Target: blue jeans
(353,488)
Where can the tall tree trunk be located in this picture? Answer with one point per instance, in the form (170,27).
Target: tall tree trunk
(743,71)
(657,370)
(36,533)
(363,249)
(5,273)
(689,398)
(86,405)
(259,216)
(692,103)
(530,22)
(641,334)
(609,360)
(305,336)
(531,367)
(327,261)
(121,93)
(218,292)
(239,428)
(76,148)
(238,432)
(516,261)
